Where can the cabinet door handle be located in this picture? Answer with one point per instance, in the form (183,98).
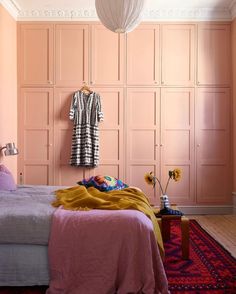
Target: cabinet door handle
(198,145)
(161,145)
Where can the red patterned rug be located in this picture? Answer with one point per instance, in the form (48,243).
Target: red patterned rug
(210,269)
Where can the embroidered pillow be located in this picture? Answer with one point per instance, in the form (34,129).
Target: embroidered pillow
(6,179)
(103,183)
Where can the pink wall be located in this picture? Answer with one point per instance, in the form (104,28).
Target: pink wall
(8,86)
(234,99)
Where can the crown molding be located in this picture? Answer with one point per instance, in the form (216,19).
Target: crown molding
(201,14)
(183,14)
(233,9)
(163,14)
(12,7)
(58,14)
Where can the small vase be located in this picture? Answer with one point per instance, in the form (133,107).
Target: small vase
(164,202)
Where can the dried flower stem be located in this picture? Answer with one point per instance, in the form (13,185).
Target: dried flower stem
(167,185)
(159,185)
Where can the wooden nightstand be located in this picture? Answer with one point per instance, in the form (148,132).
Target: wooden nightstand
(165,226)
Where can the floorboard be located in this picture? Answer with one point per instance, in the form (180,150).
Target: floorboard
(220,227)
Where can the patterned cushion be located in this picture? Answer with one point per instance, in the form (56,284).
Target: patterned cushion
(6,179)
(103,183)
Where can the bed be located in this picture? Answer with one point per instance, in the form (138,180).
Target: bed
(112,251)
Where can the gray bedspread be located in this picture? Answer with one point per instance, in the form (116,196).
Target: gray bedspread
(26,214)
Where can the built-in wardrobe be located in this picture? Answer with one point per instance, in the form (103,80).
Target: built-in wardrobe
(166,96)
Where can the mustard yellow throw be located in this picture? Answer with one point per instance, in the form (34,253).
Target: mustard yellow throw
(80,198)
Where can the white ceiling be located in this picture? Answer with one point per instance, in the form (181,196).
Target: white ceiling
(155,9)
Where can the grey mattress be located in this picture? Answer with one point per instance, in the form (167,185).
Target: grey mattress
(23,265)
(25,220)
(26,214)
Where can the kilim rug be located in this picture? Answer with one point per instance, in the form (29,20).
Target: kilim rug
(210,269)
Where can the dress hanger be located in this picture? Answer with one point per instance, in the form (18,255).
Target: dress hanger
(85,89)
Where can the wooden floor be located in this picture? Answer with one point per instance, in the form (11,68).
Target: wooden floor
(221,227)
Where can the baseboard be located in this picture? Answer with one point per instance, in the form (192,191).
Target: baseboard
(234,202)
(208,209)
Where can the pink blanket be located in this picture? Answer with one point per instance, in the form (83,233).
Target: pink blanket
(104,252)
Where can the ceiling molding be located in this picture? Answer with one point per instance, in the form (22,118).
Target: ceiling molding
(58,14)
(149,14)
(12,7)
(233,9)
(86,14)
(188,14)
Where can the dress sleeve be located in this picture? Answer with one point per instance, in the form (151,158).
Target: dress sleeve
(99,109)
(73,107)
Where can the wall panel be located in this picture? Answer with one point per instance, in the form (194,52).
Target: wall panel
(214,182)
(143,55)
(36,47)
(214,55)
(177,54)
(36,139)
(107,57)
(71,54)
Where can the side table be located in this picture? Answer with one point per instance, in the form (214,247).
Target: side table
(165,226)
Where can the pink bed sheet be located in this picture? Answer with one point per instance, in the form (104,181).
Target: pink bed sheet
(104,252)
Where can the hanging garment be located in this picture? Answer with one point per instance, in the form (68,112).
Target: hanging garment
(85,111)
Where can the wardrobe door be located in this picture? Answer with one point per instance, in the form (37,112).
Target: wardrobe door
(143,55)
(214,54)
(35,120)
(177,142)
(143,138)
(65,174)
(35,54)
(177,54)
(107,56)
(71,54)
(111,142)
(214,175)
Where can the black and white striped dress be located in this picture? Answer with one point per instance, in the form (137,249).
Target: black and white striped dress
(85,111)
